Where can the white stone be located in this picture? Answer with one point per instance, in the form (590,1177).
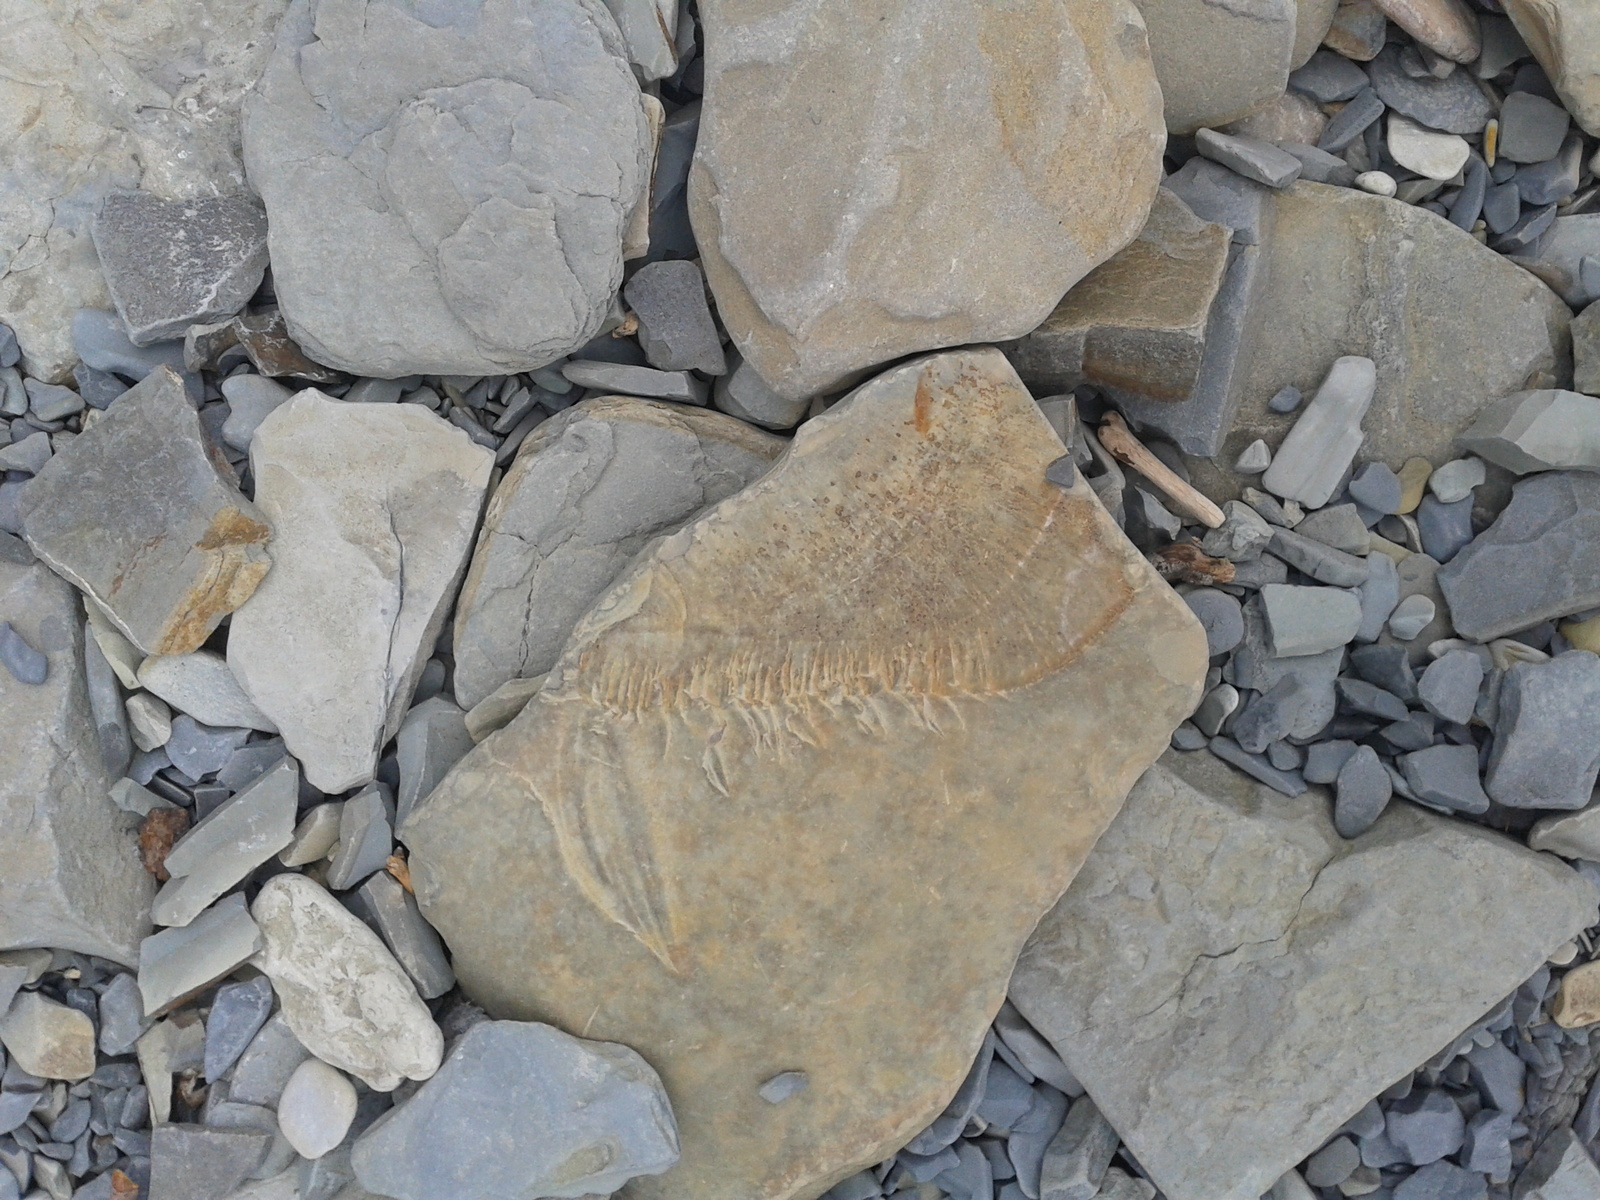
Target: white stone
(149,721)
(48,1039)
(1319,449)
(1455,480)
(343,994)
(1411,616)
(1379,183)
(373,508)
(316,1108)
(201,685)
(1254,459)
(1426,151)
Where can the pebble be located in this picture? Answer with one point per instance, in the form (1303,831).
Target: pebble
(1285,400)
(1328,78)
(174,964)
(1411,616)
(1449,686)
(432,739)
(1487,1147)
(251,400)
(192,1162)
(1313,458)
(1429,153)
(1339,526)
(1377,488)
(1380,594)
(1447,27)
(1219,704)
(1553,181)
(675,325)
(202,686)
(744,394)
(392,911)
(10,352)
(51,401)
(1351,121)
(238,1012)
(1272,715)
(1532,128)
(366,838)
(1571,835)
(1446,776)
(1546,734)
(1333,1164)
(29,455)
(1309,620)
(269,1060)
(48,1039)
(316,1109)
(1455,480)
(1359,696)
(1254,459)
(1257,160)
(149,721)
(1319,560)
(105,704)
(624,380)
(1442,1181)
(1425,1126)
(1324,760)
(1445,528)
(200,750)
(1362,793)
(1451,105)
(1079,1155)
(1221,616)
(1379,183)
(26,664)
(1413,475)
(315,835)
(1578,1002)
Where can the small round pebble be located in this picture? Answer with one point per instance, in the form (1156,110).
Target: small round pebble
(1221,616)
(1333,1164)
(1564,954)
(1287,400)
(25,663)
(1379,183)
(1411,617)
(316,1108)
(1256,458)
(1188,737)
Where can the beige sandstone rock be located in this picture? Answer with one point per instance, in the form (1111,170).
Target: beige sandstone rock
(852,207)
(1136,324)
(1578,1002)
(759,817)
(1447,27)
(1564,36)
(1313,18)
(1218,62)
(1292,117)
(98,95)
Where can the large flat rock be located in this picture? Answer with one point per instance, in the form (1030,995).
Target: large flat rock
(804,779)
(1232,981)
(588,489)
(373,508)
(1564,36)
(446,185)
(71,877)
(104,96)
(851,207)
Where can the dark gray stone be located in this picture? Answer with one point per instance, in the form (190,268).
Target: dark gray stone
(1339,526)
(1359,696)
(1320,167)
(1324,760)
(1553,181)
(1467,207)
(1453,105)
(1502,207)
(1255,159)
(1362,793)
(1446,776)
(1425,1126)
(1498,1074)
(1219,613)
(1487,1147)
(98,388)
(1377,487)
(1333,1164)
(29,666)
(1445,528)
(1285,400)
(522,1110)
(366,837)
(1531,128)
(1547,734)
(170,264)
(200,750)
(1387,666)
(237,1015)
(50,401)
(393,914)
(1449,686)
(675,325)
(105,705)
(1318,560)
(1272,715)
(1351,121)
(1328,77)
(1539,560)
(1558,257)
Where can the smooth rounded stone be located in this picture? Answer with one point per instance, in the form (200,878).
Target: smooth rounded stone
(742,393)
(1414,476)
(1339,526)
(520,1111)
(675,325)
(1411,616)
(1351,122)
(1446,776)
(173,263)
(373,508)
(25,664)
(56,814)
(828,255)
(1187,736)
(1309,620)
(1449,687)
(1358,30)
(1254,458)
(251,398)
(802,627)
(1274,945)
(48,1039)
(1379,183)
(1531,128)
(589,488)
(316,1109)
(1447,27)
(1217,64)
(1561,35)
(344,996)
(1326,436)
(1455,480)
(1329,78)
(1540,559)
(1537,431)
(1547,734)
(1334,1163)
(1220,703)
(1324,760)
(138,514)
(1429,153)
(1451,105)
(107,112)
(1221,617)
(457,246)
(201,685)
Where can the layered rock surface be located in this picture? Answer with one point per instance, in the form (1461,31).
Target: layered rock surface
(899,215)
(589,488)
(1220,62)
(1199,975)
(373,508)
(902,644)
(71,876)
(446,186)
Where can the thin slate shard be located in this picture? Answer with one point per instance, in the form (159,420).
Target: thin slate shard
(791,728)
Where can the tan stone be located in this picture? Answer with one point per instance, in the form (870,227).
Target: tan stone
(1564,36)
(1578,1002)
(1292,117)
(854,204)
(1219,62)
(1414,475)
(1447,27)
(1136,324)
(805,779)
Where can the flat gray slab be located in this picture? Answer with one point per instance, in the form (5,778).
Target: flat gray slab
(1200,974)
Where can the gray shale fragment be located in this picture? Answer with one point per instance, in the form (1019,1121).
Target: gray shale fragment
(1220,1052)
(1538,431)
(1547,733)
(143,515)
(446,194)
(1446,776)
(170,264)
(675,325)
(519,1111)
(392,913)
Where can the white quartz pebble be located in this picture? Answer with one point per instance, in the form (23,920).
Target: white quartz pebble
(316,1108)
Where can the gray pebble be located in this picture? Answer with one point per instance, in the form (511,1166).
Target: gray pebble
(1286,756)
(622,379)
(51,401)
(1349,123)
(1426,1126)
(1387,666)
(1488,1143)
(1498,1074)
(1453,105)
(1502,207)
(1547,733)
(1318,166)
(1062,472)
(237,1014)
(1309,620)
(1446,776)
(1319,560)
(1455,480)
(1284,514)
(675,325)
(1362,793)
(1530,227)
(1467,207)
(1333,1164)
(1446,528)
(1221,702)
(1242,536)
(1449,686)
(1377,487)
(10,352)
(1286,400)
(1531,128)
(105,703)
(1272,715)
(1380,594)
(1359,696)
(122,1019)
(1442,1181)
(200,750)
(1324,760)
(1414,733)
(29,666)
(783,1085)
(98,388)
(374,391)
(30,454)
(1290,783)
(1187,736)
(1328,78)
(1553,181)
(1259,572)
(1339,526)
(1411,616)
(1220,615)
(1254,459)
(1253,158)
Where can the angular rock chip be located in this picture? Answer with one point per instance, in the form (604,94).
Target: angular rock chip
(831,252)
(71,877)
(1136,324)
(1538,431)
(48,1039)
(1219,62)
(446,193)
(1561,34)
(107,106)
(143,513)
(171,264)
(177,963)
(1220,1051)
(893,644)
(1347,273)
(520,1111)
(588,490)
(343,994)
(374,507)
(1547,734)
(1539,560)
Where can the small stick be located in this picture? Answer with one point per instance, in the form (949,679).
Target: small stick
(1120,443)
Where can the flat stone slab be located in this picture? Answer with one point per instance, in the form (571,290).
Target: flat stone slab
(142,512)
(899,644)
(1200,974)
(71,878)
(1538,431)
(589,488)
